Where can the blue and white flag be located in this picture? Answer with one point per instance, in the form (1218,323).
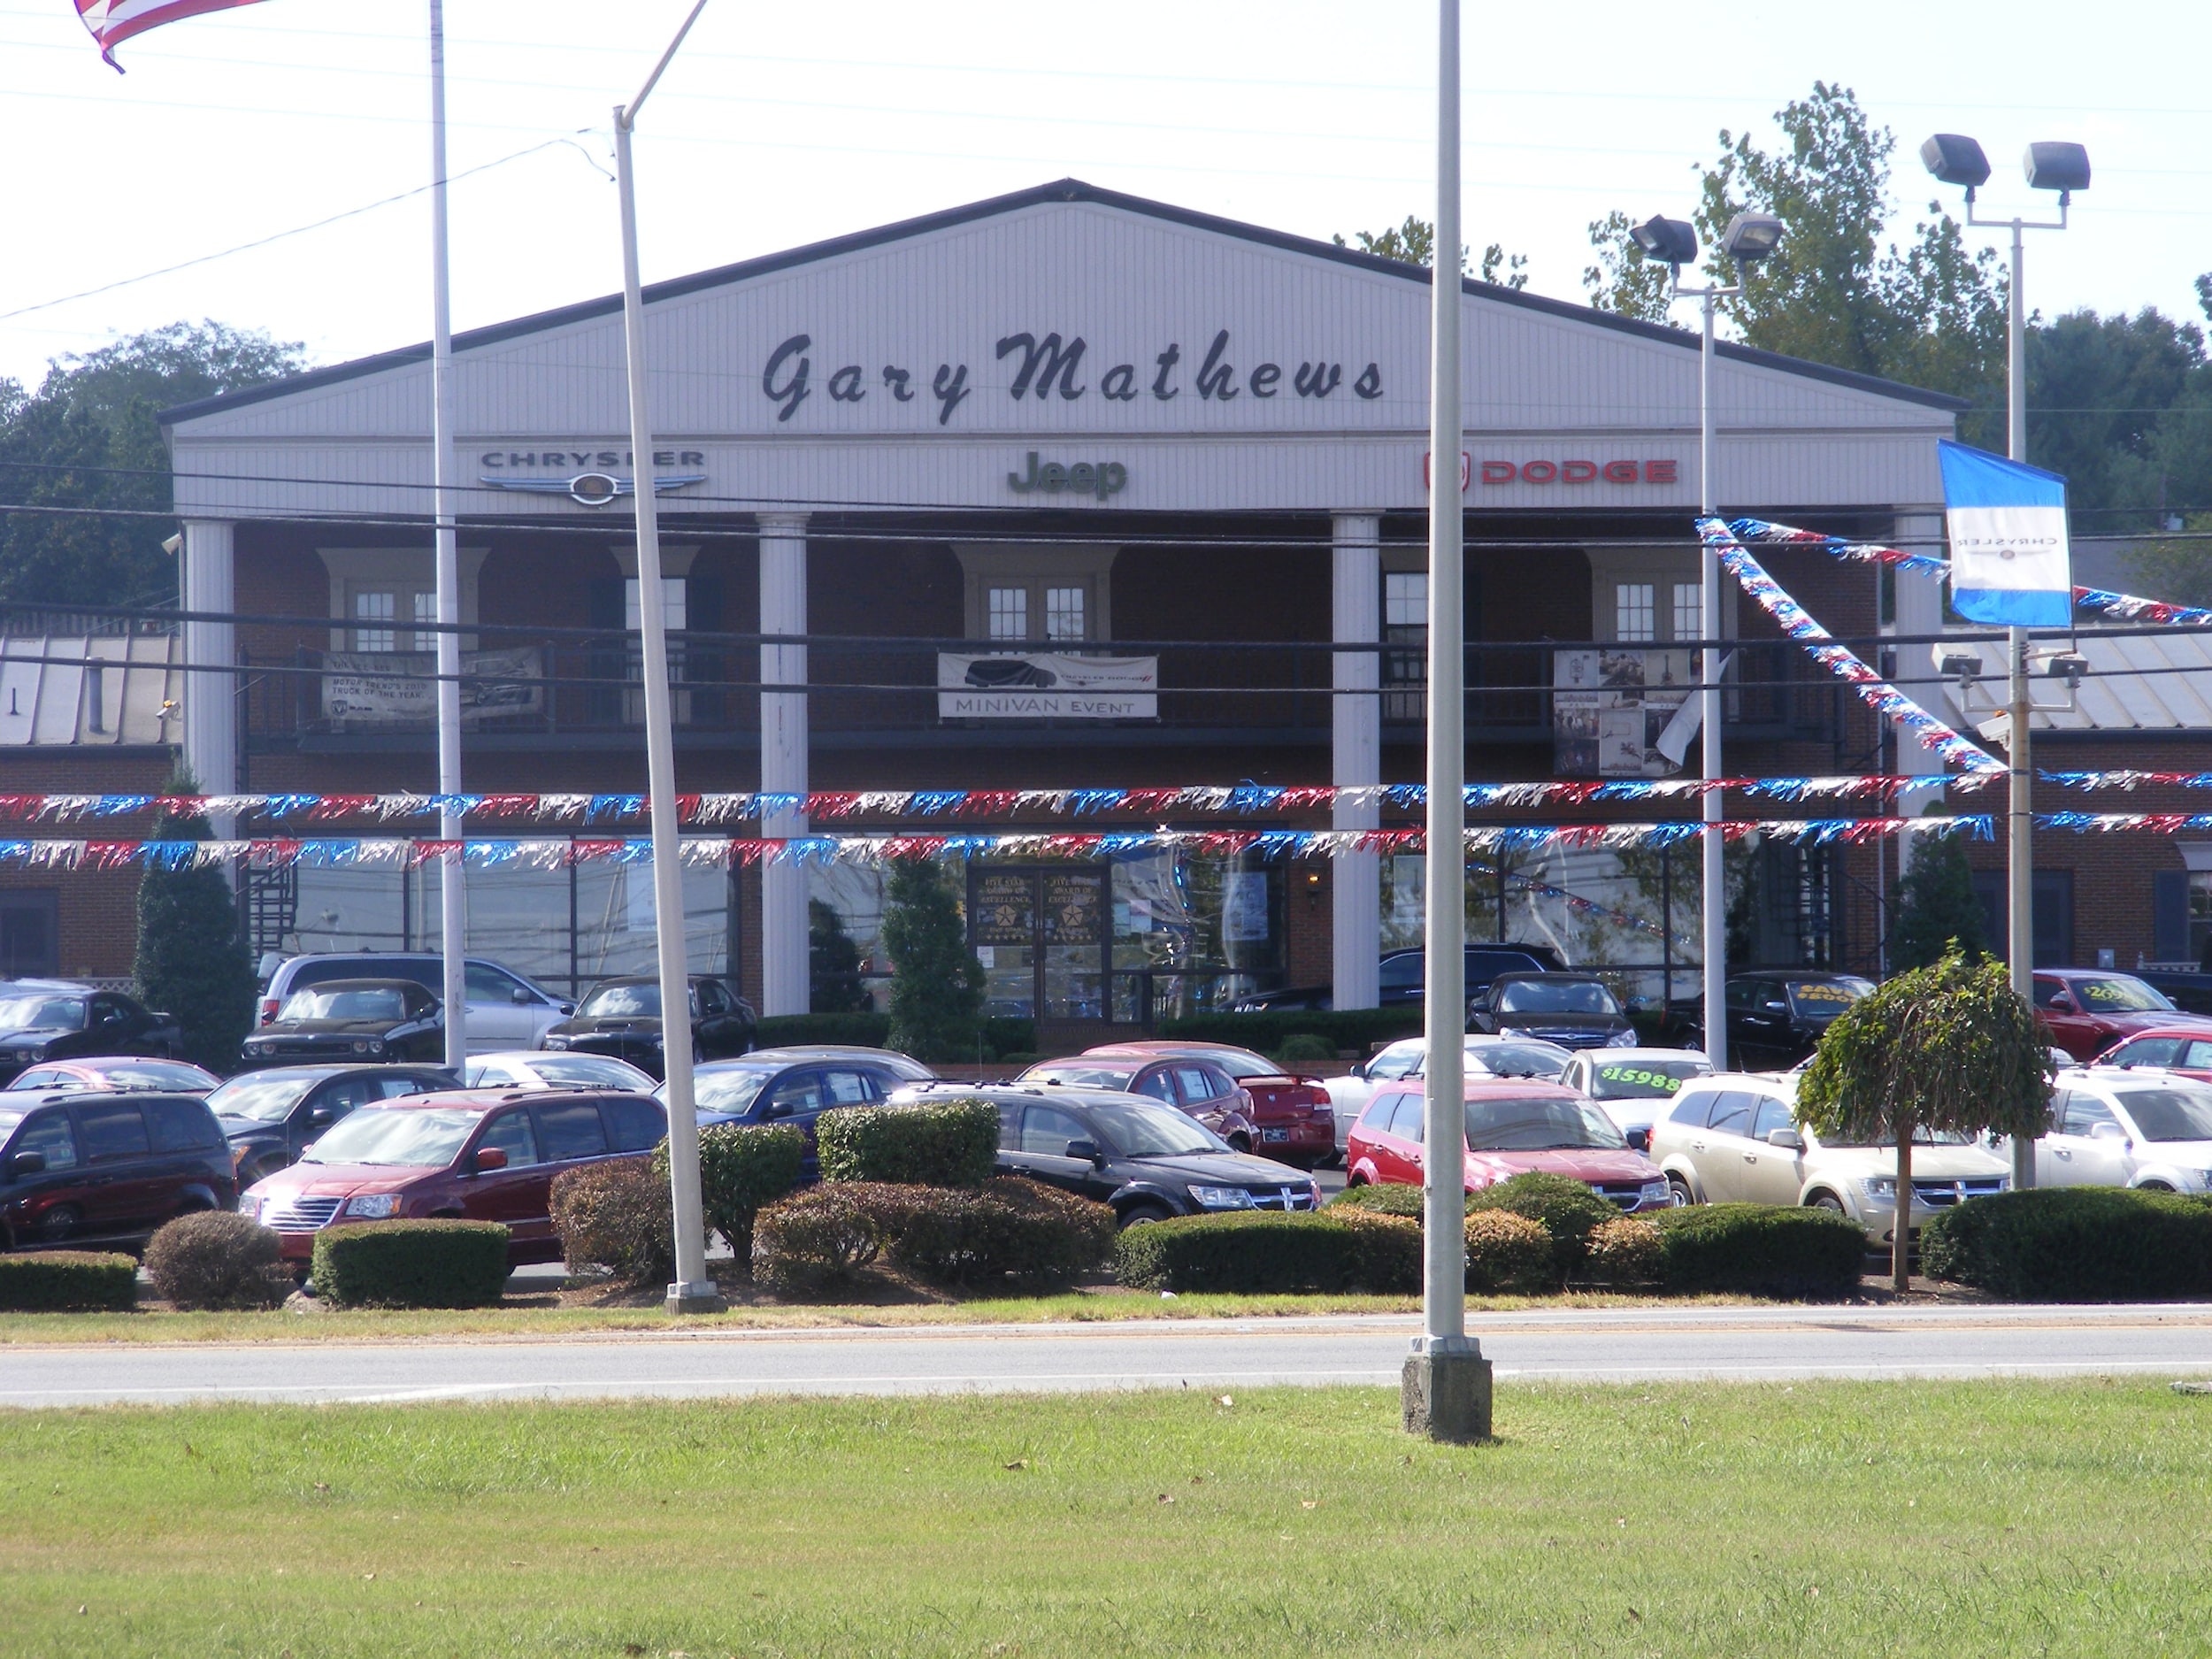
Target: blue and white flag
(2010,559)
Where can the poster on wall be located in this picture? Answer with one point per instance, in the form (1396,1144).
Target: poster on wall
(1608,707)
(1075,907)
(1046,686)
(382,688)
(1244,908)
(1003,907)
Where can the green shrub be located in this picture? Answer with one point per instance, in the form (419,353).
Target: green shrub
(1626,1253)
(1570,1211)
(1358,1029)
(437,1264)
(936,983)
(741,1166)
(816,1240)
(617,1214)
(938,1143)
(2074,1244)
(67,1281)
(1252,1252)
(1008,1229)
(1509,1253)
(1387,1257)
(1390,1198)
(861,1029)
(218,1259)
(1761,1249)
(1008,1038)
(1306,1047)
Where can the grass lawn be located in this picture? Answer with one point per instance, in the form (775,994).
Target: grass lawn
(1831,1519)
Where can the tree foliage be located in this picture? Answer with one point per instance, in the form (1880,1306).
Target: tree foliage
(1414,242)
(89,438)
(834,983)
(191,961)
(1946,1047)
(937,984)
(1937,909)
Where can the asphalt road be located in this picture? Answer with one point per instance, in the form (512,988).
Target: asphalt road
(1627,1345)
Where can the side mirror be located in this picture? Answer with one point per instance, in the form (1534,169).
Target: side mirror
(1638,1139)
(521,998)
(27,1164)
(1086,1150)
(1789,1140)
(1359,1069)
(322,1117)
(566,1008)
(776,1108)
(2107,1130)
(1778,1007)
(490,1158)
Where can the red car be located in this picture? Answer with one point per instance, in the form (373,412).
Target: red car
(2184,1048)
(1201,1087)
(480,1155)
(2087,1011)
(1513,1127)
(1296,1123)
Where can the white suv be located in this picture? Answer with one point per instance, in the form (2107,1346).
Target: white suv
(1733,1138)
(2137,1126)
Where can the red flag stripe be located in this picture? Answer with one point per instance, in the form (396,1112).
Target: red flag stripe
(111,22)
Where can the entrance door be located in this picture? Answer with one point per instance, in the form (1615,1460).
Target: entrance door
(1044,936)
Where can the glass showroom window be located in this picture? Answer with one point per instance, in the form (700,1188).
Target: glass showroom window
(426,613)
(1063,614)
(1689,612)
(1008,613)
(1633,611)
(1405,673)
(375,606)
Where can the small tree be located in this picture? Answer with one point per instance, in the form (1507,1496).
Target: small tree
(1947,1047)
(936,984)
(1937,909)
(191,961)
(833,984)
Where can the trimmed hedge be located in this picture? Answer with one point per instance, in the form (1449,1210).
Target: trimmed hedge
(1509,1253)
(617,1214)
(1008,1231)
(1569,1210)
(2075,1244)
(1388,1198)
(1253,1253)
(435,1264)
(938,1143)
(815,1241)
(1625,1253)
(862,1030)
(741,1167)
(67,1281)
(1761,1249)
(217,1259)
(1358,1029)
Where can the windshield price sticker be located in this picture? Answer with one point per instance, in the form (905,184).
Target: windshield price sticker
(1641,1076)
(1817,992)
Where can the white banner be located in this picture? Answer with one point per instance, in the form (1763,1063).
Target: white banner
(397,687)
(1046,686)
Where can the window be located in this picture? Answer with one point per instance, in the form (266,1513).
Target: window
(510,1132)
(30,934)
(712,999)
(1773,1114)
(1157,1085)
(674,612)
(394,1087)
(799,1094)
(1395,1061)
(1632,611)
(1689,617)
(572,1132)
(373,606)
(1405,671)
(634,1125)
(2152,1051)
(112,1132)
(1041,594)
(489,985)
(1731,1114)
(1047,1131)
(2198,1056)
(426,611)
(1405,1119)
(1009,612)
(52,1139)
(1064,612)
(842,1087)
(2082,1111)
(182,1125)
(1200,1083)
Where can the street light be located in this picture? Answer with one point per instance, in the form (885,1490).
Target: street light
(1750,238)
(1954,158)
(693,1292)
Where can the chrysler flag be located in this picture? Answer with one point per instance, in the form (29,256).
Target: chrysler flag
(114,21)
(2007,520)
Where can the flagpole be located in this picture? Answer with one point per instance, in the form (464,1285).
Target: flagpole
(452,876)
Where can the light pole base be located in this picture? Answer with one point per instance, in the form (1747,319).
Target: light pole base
(700,1295)
(1444,1393)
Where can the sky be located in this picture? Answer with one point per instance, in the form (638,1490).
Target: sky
(778,125)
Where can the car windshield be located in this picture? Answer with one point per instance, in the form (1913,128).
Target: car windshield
(1518,1059)
(733,1091)
(1920,1138)
(262,1099)
(591,1070)
(642,1001)
(2120,995)
(1555,996)
(381,1003)
(155,1074)
(1539,1124)
(1643,1079)
(1150,1132)
(2171,1114)
(421,1139)
(1242,1062)
(8,1121)
(1081,1074)
(1824,999)
(42,1013)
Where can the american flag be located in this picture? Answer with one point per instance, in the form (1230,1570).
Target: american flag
(114,21)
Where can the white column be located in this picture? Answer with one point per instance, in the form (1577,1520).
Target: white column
(1356,756)
(783,761)
(209,582)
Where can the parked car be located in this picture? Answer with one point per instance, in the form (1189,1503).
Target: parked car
(270,1117)
(2187,1050)
(1776,1019)
(1575,1010)
(1734,1138)
(1634,1084)
(622,1018)
(506,1010)
(56,1020)
(1145,1159)
(1402,975)
(477,1154)
(1512,1128)
(533,1068)
(110,1074)
(352,1019)
(91,1169)
(2087,1011)
(1198,1088)
(797,1085)
(1291,1111)
(1487,1056)
(2138,1126)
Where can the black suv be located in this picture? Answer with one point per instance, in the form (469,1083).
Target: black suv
(1575,1010)
(269,1118)
(87,1169)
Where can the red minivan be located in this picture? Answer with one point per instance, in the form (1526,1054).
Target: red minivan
(480,1155)
(1513,1127)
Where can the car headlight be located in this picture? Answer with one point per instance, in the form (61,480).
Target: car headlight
(1882,1188)
(376,1045)
(1621,1040)
(1221,1197)
(373,1206)
(360,1045)
(554,1040)
(1514,1031)
(250,1207)
(1656,1193)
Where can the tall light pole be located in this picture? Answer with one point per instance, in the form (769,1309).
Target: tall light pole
(693,1292)
(1957,159)
(1750,238)
(446,574)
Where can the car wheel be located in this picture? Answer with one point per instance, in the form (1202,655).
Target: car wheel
(59,1222)
(2156,1186)
(1828,1201)
(1145,1215)
(1679,1190)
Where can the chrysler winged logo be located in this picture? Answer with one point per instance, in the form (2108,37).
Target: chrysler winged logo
(593,489)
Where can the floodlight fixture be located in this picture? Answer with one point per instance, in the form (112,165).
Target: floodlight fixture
(1672,241)
(1955,158)
(2056,167)
(2071,667)
(1961,666)
(1751,237)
